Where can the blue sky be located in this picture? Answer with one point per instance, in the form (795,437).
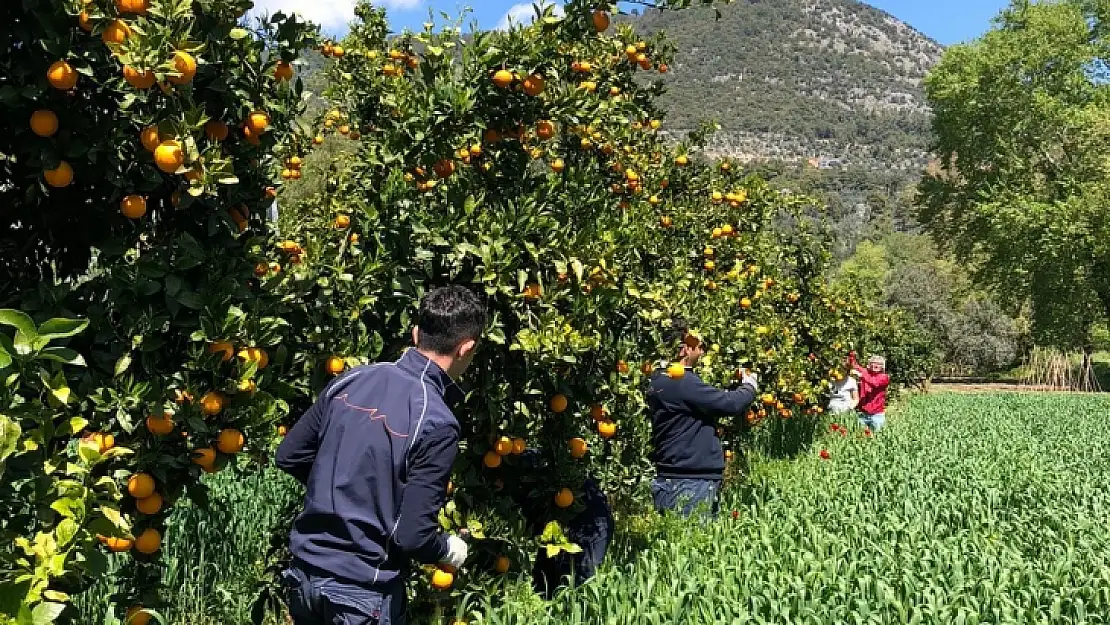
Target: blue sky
(947,21)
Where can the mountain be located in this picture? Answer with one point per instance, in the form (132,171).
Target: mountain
(833,83)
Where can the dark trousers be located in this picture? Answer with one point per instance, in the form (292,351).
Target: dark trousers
(322,601)
(686,495)
(592,530)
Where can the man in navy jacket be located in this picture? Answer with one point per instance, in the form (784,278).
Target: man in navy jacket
(689,460)
(375,453)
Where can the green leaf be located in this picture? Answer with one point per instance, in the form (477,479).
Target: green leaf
(65,532)
(5,358)
(9,438)
(116,518)
(59,328)
(63,355)
(238,33)
(18,320)
(46,613)
(122,364)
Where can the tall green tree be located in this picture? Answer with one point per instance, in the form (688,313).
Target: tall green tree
(1021,193)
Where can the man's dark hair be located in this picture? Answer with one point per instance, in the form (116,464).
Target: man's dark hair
(675,334)
(448,316)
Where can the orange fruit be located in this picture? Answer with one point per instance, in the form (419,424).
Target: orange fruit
(601,21)
(502,565)
(344,129)
(205,457)
(149,505)
(492,459)
(559,403)
(442,580)
(44,123)
(597,412)
(150,138)
(169,157)
(184,64)
(665,221)
(138,78)
(622,367)
(61,76)
(564,498)
(335,365)
(282,430)
(136,616)
(519,445)
(103,441)
(578,447)
(115,545)
(160,425)
(663,69)
(533,291)
(149,541)
(607,429)
(534,85)
(283,71)
(676,371)
(133,206)
(222,347)
(140,485)
(682,160)
(444,168)
(62,176)
(116,33)
(504,446)
(337,51)
(558,166)
(230,441)
(258,121)
(745,303)
(545,129)
(503,78)
(138,7)
(216,130)
(212,403)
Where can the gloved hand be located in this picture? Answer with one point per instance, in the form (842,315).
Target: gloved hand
(750,378)
(457,551)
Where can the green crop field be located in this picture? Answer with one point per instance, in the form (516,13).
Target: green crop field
(967,509)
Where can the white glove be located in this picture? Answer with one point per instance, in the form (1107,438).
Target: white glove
(457,551)
(750,378)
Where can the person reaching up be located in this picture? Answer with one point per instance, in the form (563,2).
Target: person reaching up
(873,386)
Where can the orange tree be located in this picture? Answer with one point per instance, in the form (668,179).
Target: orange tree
(529,165)
(136,164)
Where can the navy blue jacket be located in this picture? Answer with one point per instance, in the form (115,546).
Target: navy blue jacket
(684,415)
(375,453)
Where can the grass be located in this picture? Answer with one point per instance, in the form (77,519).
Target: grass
(966,509)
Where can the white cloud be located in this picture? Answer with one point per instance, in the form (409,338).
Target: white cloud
(330,14)
(524,13)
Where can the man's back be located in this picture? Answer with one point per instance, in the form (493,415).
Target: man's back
(355,450)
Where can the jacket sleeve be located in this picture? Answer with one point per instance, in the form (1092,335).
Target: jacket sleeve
(297,451)
(424,494)
(716,402)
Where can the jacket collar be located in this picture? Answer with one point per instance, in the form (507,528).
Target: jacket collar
(418,365)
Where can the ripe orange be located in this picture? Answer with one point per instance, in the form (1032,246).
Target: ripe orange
(545,129)
(607,429)
(344,129)
(666,221)
(559,403)
(676,371)
(212,403)
(502,565)
(222,347)
(140,485)
(133,206)
(342,221)
(663,69)
(44,123)
(255,355)
(337,51)
(504,446)
(601,21)
(114,544)
(160,425)
(444,168)
(149,541)
(138,78)
(169,157)
(442,580)
(597,411)
(492,459)
(533,291)
(230,441)
(150,138)
(103,441)
(318,140)
(258,121)
(564,498)
(727,230)
(534,85)
(558,166)
(61,76)
(578,447)
(205,457)
(622,367)
(138,7)
(519,445)
(184,64)
(682,160)
(335,365)
(799,398)
(136,616)
(149,505)
(216,130)
(709,265)
(647,368)
(60,177)
(503,78)
(283,71)
(116,33)
(283,430)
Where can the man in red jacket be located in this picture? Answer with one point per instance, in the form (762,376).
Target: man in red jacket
(872,394)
